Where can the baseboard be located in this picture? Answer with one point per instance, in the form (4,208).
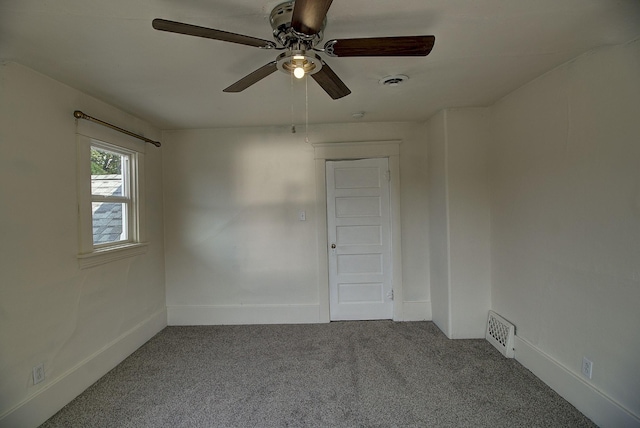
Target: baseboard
(416,310)
(270,314)
(39,407)
(242,314)
(595,404)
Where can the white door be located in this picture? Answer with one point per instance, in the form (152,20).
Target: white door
(359,228)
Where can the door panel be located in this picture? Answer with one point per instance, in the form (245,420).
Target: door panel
(359,232)
(359,263)
(349,178)
(360,293)
(358,235)
(360,206)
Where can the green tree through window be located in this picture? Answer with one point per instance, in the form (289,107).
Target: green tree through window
(105,163)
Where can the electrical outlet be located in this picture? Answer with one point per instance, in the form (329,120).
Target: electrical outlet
(302,215)
(38,373)
(587,367)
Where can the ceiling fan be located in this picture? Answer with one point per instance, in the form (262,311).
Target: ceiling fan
(298,28)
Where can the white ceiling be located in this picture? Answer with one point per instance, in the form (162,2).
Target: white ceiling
(484,49)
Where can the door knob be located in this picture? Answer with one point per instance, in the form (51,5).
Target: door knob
(333,245)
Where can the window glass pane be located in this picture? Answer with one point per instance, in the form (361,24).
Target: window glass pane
(106,173)
(107,222)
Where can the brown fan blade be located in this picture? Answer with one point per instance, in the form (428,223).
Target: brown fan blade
(252,78)
(330,82)
(381,46)
(210,33)
(308,15)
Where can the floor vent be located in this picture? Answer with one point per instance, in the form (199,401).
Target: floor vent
(500,334)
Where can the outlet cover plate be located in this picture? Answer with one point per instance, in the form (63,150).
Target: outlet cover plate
(38,374)
(587,367)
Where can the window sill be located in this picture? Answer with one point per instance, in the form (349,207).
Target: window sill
(106,255)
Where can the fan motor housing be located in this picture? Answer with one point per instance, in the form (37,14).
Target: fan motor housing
(284,34)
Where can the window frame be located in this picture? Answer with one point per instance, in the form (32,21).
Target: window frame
(128,197)
(91,254)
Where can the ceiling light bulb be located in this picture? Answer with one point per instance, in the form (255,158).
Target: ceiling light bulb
(298,72)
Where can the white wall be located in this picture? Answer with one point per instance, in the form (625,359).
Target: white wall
(565,204)
(469,222)
(439,222)
(235,249)
(79,323)
(459,221)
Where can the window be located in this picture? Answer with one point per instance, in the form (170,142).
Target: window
(112,204)
(110,201)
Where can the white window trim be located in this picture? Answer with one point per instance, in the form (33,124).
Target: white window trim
(129,194)
(110,254)
(93,255)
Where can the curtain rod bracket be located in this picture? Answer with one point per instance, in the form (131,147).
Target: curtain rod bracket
(80,115)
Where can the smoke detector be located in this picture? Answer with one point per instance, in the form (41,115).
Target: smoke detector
(394,80)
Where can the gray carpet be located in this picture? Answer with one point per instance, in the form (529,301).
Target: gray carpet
(348,374)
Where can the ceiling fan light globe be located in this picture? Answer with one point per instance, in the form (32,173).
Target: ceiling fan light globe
(298,72)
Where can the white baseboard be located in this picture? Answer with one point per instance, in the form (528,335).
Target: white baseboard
(39,407)
(270,314)
(416,311)
(242,314)
(595,404)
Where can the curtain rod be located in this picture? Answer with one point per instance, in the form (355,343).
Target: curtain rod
(80,115)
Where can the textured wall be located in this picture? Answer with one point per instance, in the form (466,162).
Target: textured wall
(565,205)
(439,222)
(459,221)
(469,223)
(233,239)
(51,311)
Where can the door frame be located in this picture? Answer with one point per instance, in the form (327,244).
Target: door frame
(324,152)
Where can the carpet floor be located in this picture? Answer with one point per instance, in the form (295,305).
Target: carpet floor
(344,374)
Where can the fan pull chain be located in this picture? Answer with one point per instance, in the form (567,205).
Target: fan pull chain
(306,109)
(293,125)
